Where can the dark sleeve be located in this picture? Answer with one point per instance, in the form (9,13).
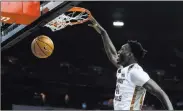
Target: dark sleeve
(152,87)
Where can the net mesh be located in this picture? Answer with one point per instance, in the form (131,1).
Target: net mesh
(69,18)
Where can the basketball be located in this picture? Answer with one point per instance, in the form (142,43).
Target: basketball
(42,46)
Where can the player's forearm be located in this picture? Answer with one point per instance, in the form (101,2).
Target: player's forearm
(108,45)
(165,100)
(110,49)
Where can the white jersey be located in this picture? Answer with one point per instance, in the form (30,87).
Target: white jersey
(129,93)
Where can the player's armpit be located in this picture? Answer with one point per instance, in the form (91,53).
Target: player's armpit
(152,87)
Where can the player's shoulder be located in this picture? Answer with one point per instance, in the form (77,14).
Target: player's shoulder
(135,67)
(137,75)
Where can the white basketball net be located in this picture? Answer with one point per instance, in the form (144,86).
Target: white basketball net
(64,20)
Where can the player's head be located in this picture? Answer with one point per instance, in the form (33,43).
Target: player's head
(132,50)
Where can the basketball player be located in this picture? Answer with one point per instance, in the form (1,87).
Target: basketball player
(132,80)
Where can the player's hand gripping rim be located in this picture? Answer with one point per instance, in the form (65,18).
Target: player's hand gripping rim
(95,25)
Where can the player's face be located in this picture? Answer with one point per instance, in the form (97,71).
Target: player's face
(123,54)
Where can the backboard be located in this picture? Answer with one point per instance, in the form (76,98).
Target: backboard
(12,34)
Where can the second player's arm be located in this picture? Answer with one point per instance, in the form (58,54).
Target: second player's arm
(108,45)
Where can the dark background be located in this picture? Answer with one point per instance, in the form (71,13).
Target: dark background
(79,66)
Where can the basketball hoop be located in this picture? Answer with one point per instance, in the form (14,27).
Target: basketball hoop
(75,15)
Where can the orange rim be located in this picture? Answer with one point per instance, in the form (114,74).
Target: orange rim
(79,9)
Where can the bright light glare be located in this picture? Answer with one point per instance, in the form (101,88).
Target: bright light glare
(118,23)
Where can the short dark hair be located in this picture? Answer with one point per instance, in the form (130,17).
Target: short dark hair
(137,49)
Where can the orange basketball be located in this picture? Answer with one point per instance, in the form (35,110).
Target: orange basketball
(42,46)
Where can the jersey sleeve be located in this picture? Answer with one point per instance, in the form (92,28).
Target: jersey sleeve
(138,76)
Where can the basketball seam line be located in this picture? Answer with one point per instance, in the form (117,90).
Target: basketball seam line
(35,49)
(41,49)
(45,43)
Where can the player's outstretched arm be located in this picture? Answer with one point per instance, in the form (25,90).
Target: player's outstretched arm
(141,78)
(154,89)
(108,45)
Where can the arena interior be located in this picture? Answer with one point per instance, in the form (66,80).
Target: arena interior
(78,74)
